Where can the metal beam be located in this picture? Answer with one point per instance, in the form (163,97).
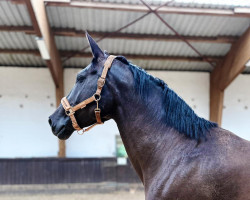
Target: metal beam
(25,29)
(145,57)
(132,36)
(141,8)
(221,77)
(129,56)
(20,51)
(128,36)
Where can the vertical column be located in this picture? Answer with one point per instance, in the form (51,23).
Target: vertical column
(216,103)
(59,96)
(37,10)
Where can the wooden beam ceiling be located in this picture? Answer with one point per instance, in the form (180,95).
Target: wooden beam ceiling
(128,36)
(221,77)
(129,56)
(142,8)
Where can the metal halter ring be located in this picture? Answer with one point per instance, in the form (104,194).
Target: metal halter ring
(69,112)
(81,132)
(97,97)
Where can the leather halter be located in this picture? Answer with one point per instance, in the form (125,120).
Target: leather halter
(70,111)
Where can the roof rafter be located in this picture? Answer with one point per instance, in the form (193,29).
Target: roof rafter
(129,56)
(129,36)
(132,36)
(141,8)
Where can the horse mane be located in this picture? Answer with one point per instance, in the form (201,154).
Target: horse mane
(179,114)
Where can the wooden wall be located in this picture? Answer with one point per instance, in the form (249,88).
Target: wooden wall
(64,170)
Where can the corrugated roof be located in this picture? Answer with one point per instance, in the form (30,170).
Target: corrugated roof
(149,64)
(17,40)
(21,60)
(100,21)
(216,4)
(14,14)
(144,47)
(96,20)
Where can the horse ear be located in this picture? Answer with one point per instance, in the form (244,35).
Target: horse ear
(96,51)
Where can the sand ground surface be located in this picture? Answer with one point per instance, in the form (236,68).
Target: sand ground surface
(99,191)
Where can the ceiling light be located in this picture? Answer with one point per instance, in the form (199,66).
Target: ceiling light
(42,48)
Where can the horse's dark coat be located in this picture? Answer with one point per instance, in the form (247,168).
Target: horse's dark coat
(150,117)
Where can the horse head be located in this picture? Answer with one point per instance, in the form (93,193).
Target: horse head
(85,86)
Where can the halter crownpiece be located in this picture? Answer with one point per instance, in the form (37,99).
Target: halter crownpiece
(70,111)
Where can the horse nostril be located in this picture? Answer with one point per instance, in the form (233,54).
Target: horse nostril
(50,122)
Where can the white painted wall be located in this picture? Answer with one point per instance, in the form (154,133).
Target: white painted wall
(236,112)
(25,104)
(25,131)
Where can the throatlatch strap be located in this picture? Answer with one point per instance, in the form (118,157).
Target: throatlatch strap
(70,111)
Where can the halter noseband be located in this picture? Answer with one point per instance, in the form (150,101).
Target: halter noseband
(70,111)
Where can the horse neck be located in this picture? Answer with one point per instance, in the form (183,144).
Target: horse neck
(146,137)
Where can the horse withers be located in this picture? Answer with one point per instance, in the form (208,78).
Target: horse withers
(176,154)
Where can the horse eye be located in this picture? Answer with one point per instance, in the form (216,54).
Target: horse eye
(94,72)
(79,78)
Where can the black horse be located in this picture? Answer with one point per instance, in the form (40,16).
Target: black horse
(176,154)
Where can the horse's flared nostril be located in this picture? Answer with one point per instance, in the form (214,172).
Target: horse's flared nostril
(50,122)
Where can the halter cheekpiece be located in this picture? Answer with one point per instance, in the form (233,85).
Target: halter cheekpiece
(70,111)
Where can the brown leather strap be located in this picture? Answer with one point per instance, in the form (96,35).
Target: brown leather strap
(84,103)
(101,80)
(98,116)
(70,111)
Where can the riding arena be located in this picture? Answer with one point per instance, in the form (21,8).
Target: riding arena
(132,99)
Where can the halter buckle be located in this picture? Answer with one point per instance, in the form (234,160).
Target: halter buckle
(101,82)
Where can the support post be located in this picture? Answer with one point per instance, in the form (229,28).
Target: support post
(59,96)
(54,63)
(223,75)
(216,103)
